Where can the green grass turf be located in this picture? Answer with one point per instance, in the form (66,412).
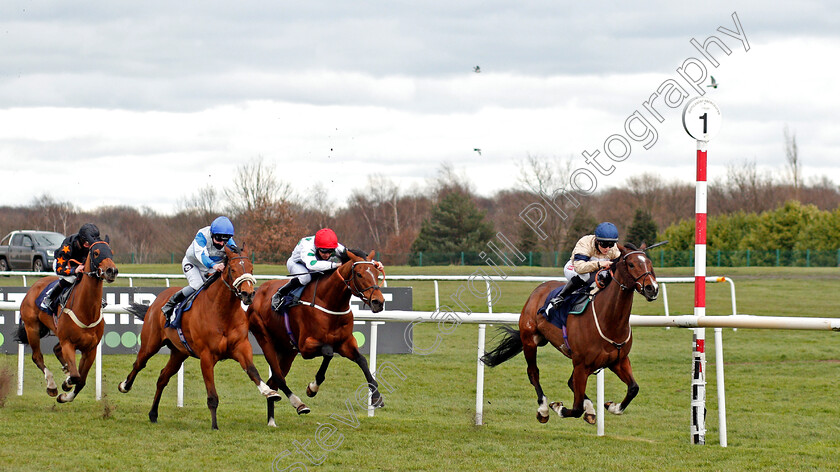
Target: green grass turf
(780,388)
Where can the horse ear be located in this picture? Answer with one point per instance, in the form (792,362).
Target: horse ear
(643,246)
(371,255)
(107,239)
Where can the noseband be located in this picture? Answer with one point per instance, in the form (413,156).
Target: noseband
(246,277)
(352,283)
(638,285)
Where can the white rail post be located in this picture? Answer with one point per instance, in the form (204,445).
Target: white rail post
(374,334)
(479,382)
(20,370)
(180,400)
(721,389)
(99,371)
(599,411)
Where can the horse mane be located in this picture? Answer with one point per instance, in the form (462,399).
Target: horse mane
(358,253)
(236,249)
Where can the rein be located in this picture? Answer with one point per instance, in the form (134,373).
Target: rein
(354,291)
(639,286)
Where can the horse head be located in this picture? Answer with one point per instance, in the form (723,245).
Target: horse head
(638,269)
(237,274)
(363,279)
(101,261)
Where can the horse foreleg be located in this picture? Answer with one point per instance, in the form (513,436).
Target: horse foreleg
(176,358)
(624,372)
(313,387)
(57,352)
(580,375)
(244,356)
(208,364)
(351,351)
(68,352)
(530,351)
(85,364)
(588,407)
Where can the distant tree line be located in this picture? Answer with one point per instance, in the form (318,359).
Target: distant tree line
(748,209)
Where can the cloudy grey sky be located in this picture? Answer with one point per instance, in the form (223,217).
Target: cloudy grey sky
(162,98)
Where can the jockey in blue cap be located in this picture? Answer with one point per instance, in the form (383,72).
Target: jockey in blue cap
(204,256)
(592,253)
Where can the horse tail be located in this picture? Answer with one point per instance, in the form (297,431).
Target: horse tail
(20,335)
(508,347)
(138,310)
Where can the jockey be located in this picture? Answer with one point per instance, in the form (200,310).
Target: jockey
(312,254)
(204,256)
(591,254)
(70,260)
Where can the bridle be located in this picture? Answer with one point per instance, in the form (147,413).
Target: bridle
(353,282)
(234,286)
(96,272)
(638,285)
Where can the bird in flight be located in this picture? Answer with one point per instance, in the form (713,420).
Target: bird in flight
(714,83)
(477,69)
(477,150)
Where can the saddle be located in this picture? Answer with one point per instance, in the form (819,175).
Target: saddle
(574,304)
(61,300)
(186,303)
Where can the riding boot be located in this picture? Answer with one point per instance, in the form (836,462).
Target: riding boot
(573,284)
(177,298)
(277,301)
(50,302)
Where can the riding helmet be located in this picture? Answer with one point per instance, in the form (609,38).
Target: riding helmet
(606,232)
(326,239)
(222,225)
(89,233)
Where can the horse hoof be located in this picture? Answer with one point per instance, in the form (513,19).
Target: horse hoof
(52,392)
(302,410)
(377,402)
(273,395)
(66,386)
(63,399)
(309,392)
(589,418)
(557,407)
(541,418)
(121,387)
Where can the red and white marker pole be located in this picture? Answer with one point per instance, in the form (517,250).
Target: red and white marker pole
(701,120)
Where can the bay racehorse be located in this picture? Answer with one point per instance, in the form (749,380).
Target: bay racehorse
(321,325)
(598,338)
(213,329)
(78,326)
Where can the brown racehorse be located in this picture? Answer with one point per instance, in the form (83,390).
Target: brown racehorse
(321,326)
(599,337)
(79,327)
(215,328)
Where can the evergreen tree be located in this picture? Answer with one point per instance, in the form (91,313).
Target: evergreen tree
(455,224)
(643,229)
(582,224)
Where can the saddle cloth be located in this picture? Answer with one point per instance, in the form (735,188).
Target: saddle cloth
(574,304)
(186,304)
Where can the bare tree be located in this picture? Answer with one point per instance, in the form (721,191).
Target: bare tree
(53,215)
(255,187)
(793,161)
(542,179)
(204,202)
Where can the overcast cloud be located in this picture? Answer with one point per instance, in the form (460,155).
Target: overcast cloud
(165,98)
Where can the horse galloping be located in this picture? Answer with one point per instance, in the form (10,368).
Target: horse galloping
(320,327)
(79,323)
(597,338)
(213,329)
